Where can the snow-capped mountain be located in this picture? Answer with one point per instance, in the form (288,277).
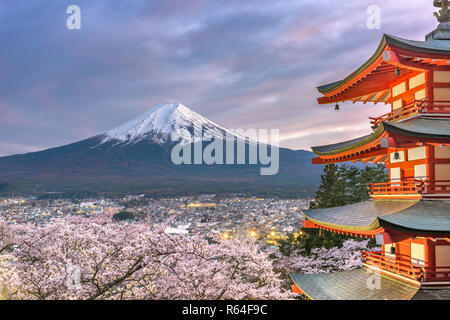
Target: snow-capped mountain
(136,157)
(163,124)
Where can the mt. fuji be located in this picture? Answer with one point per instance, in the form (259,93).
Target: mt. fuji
(161,124)
(136,157)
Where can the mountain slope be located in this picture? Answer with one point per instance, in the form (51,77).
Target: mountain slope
(163,123)
(135,157)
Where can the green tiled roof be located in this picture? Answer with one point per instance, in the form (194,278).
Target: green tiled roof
(420,215)
(347,145)
(360,216)
(441,47)
(422,127)
(352,285)
(431,215)
(429,46)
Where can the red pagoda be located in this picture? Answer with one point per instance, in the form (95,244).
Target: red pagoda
(409,215)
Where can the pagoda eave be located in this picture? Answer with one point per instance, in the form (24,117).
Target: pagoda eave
(374,148)
(401,217)
(393,55)
(374,156)
(309,224)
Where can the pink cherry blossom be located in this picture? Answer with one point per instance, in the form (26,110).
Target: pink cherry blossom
(97,258)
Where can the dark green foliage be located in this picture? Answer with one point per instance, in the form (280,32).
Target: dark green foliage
(331,192)
(309,239)
(341,185)
(124,216)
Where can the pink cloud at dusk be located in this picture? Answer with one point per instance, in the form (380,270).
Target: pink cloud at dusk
(252,64)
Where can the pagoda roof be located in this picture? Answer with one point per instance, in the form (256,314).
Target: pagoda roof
(431,216)
(362,216)
(433,46)
(352,285)
(423,127)
(370,82)
(336,148)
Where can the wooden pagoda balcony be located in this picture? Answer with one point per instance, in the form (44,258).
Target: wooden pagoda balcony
(394,188)
(410,187)
(415,108)
(402,266)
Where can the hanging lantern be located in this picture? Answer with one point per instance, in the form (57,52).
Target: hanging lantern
(336,107)
(396,155)
(398,72)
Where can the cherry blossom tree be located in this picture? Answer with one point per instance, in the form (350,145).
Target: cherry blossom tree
(98,258)
(321,260)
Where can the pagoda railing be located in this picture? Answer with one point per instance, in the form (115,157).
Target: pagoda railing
(410,186)
(402,265)
(435,187)
(412,109)
(436,274)
(392,265)
(395,188)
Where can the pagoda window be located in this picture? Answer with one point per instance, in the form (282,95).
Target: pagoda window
(398,104)
(442,173)
(417,80)
(442,94)
(420,95)
(401,157)
(389,250)
(418,254)
(399,89)
(441,76)
(442,152)
(417,153)
(442,258)
(420,172)
(395,174)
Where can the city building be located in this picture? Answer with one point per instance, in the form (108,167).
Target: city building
(409,215)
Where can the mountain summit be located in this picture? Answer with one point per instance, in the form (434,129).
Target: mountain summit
(162,124)
(136,157)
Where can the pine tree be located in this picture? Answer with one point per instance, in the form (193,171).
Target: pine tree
(341,185)
(331,192)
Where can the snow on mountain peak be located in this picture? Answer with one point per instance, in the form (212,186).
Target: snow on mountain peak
(160,124)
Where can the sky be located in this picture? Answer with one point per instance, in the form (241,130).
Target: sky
(243,64)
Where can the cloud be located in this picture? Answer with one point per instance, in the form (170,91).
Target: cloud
(242,64)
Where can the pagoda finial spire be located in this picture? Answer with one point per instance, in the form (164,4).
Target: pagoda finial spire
(444,14)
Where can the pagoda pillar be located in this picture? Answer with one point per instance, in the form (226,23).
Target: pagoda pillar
(429,93)
(430,254)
